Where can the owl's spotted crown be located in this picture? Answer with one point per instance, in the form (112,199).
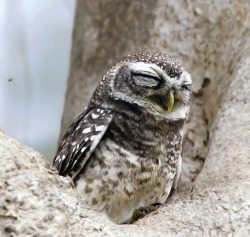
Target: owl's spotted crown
(166,62)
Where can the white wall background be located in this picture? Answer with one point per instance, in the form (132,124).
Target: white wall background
(35,42)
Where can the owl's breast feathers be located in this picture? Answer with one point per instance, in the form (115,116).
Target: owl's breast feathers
(133,165)
(144,136)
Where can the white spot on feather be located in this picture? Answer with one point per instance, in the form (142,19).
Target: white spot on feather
(74,163)
(94,116)
(100,128)
(92,138)
(86,130)
(83,149)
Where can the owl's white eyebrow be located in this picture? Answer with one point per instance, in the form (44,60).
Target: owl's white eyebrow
(145,68)
(147,74)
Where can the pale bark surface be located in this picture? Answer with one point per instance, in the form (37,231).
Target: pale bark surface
(211,39)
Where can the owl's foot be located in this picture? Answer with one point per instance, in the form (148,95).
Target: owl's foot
(154,206)
(143,211)
(139,213)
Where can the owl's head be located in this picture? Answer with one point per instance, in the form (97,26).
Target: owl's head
(154,81)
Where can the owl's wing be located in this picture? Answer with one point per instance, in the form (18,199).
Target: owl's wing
(80,141)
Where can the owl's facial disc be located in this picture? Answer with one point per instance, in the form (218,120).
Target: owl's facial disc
(149,86)
(153,83)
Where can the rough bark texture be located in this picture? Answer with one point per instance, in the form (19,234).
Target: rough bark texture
(212,41)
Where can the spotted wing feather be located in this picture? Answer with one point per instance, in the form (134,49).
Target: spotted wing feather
(80,141)
(67,136)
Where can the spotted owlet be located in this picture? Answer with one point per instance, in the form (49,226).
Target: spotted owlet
(124,150)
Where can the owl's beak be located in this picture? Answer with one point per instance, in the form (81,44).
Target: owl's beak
(169,102)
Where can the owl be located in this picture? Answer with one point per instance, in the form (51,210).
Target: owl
(123,151)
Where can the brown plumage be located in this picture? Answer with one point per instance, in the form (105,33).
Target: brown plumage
(124,150)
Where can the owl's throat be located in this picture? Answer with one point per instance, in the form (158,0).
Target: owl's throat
(143,134)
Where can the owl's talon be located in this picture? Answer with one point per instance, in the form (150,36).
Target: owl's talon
(125,223)
(143,211)
(154,206)
(138,214)
(157,204)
